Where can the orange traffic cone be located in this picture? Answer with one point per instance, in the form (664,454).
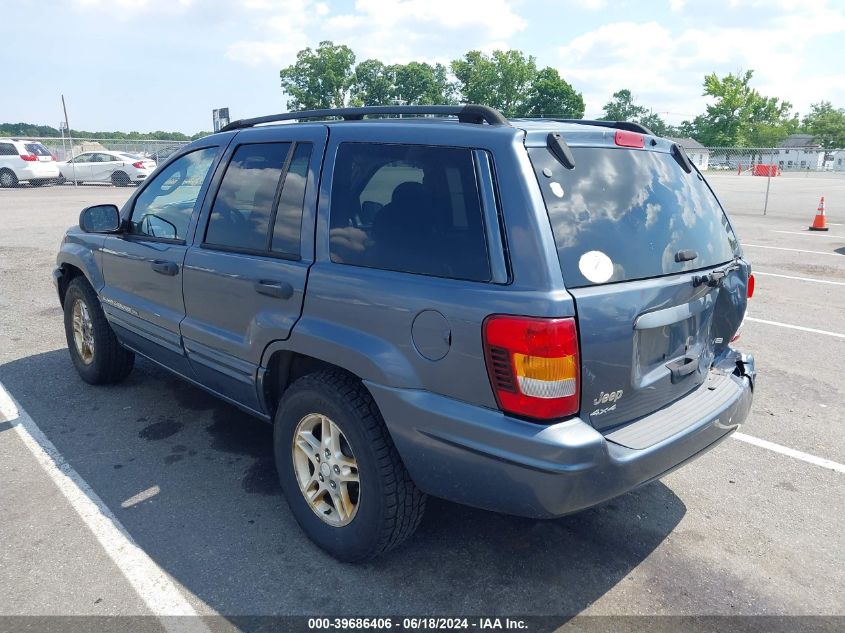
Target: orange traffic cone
(819,222)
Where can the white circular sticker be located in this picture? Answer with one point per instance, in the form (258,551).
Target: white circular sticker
(595,266)
(556,189)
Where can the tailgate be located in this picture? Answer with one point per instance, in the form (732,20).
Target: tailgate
(654,267)
(645,344)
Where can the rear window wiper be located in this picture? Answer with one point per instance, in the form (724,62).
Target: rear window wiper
(714,278)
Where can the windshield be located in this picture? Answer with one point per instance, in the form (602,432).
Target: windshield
(622,214)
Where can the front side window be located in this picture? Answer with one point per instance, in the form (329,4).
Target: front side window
(164,208)
(408,208)
(288,224)
(240,217)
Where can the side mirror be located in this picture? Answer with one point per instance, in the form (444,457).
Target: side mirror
(101,218)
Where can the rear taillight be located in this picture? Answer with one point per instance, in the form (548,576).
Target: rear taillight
(138,165)
(533,365)
(749,293)
(624,138)
(29,157)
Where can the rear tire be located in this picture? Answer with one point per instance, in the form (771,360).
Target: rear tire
(8,179)
(119,179)
(94,349)
(388,506)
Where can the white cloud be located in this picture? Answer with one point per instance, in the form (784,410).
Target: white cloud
(282,27)
(664,65)
(129,8)
(400,31)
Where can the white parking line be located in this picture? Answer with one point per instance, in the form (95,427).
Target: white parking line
(795,327)
(812,234)
(796,250)
(784,450)
(151,583)
(818,281)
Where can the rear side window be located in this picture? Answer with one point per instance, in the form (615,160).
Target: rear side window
(7,149)
(409,208)
(37,148)
(240,217)
(621,215)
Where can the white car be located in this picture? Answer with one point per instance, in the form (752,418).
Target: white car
(23,160)
(118,168)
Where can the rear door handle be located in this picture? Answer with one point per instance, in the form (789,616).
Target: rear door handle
(165,268)
(278,289)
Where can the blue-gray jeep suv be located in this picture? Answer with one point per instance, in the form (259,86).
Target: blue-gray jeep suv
(528,316)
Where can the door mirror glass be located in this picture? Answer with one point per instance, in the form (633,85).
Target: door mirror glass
(101,218)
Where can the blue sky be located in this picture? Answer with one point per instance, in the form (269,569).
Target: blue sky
(164,64)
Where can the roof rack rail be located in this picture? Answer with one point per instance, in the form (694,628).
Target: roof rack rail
(619,125)
(469,113)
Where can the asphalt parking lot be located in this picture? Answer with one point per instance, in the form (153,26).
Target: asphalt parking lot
(748,529)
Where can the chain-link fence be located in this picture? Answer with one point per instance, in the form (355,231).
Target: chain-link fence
(767,161)
(64,149)
(741,161)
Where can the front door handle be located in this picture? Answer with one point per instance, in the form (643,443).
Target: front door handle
(165,268)
(278,289)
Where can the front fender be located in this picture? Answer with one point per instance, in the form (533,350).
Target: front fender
(81,250)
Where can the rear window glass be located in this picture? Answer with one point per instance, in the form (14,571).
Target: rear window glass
(37,148)
(622,214)
(409,208)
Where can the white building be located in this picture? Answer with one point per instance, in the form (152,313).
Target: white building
(838,160)
(798,151)
(697,153)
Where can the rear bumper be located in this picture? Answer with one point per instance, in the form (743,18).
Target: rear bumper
(483,458)
(37,170)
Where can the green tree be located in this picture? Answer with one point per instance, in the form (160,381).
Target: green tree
(740,115)
(373,84)
(502,80)
(320,78)
(826,124)
(551,95)
(622,107)
(656,124)
(418,83)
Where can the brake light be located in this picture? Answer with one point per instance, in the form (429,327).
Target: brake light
(533,365)
(750,293)
(138,165)
(29,157)
(624,138)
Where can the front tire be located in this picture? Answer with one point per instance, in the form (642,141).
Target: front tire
(340,472)
(94,349)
